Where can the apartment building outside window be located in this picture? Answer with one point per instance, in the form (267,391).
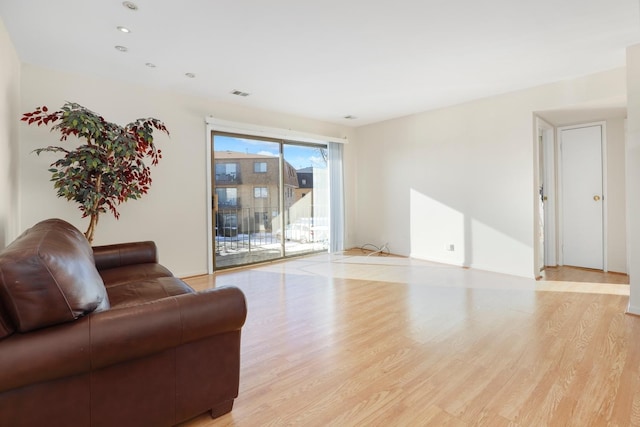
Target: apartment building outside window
(258,211)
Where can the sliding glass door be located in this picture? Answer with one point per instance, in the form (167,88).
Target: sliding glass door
(270,199)
(307,215)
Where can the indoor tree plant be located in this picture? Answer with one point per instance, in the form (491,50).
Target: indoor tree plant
(105,171)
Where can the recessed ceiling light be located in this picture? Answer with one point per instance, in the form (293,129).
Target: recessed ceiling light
(350,117)
(121,48)
(123,29)
(150,65)
(130,5)
(240,93)
(190,75)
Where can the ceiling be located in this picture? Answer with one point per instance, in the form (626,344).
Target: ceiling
(372,59)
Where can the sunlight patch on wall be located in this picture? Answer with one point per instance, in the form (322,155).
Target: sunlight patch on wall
(443,234)
(494,250)
(437,231)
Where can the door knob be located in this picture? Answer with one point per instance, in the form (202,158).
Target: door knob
(596,198)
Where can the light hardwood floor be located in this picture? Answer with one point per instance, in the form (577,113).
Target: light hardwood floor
(577,274)
(349,340)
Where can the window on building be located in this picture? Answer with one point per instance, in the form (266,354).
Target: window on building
(227,197)
(260,167)
(304,181)
(262,220)
(260,192)
(226,172)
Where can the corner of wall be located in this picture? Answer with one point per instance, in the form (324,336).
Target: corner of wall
(9,135)
(633,176)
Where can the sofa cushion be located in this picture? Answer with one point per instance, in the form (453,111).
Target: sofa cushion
(133,273)
(48,276)
(143,291)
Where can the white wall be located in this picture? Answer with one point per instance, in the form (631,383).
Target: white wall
(633,175)
(616,197)
(173,213)
(9,112)
(461,175)
(464,176)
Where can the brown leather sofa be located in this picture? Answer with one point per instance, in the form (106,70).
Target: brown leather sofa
(106,336)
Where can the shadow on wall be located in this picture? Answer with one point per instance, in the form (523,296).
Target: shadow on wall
(443,234)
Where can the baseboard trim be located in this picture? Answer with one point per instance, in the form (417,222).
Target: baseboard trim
(633,310)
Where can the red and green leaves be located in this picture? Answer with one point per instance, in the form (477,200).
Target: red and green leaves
(109,168)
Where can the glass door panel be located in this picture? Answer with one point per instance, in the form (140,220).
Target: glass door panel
(306,199)
(246,200)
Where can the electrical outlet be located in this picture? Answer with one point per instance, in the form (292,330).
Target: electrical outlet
(451,247)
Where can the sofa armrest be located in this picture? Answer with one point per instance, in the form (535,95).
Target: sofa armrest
(105,338)
(45,354)
(118,335)
(122,254)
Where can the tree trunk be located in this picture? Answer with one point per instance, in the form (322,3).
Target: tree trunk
(93,223)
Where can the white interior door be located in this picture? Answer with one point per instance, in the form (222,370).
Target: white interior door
(582,197)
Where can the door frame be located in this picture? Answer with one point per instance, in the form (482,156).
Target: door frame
(215,125)
(603,127)
(548,171)
(545,171)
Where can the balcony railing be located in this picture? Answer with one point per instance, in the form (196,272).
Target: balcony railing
(241,239)
(228,178)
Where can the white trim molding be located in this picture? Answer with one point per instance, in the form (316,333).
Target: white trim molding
(633,310)
(269,132)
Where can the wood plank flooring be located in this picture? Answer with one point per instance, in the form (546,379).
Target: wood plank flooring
(342,340)
(577,274)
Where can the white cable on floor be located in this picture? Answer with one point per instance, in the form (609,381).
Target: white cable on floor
(379,250)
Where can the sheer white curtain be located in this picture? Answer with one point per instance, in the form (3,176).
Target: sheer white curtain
(336,197)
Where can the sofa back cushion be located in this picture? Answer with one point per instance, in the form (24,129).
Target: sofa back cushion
(48,276)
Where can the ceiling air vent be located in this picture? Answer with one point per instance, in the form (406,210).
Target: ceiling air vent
(240,93)
(130,5)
